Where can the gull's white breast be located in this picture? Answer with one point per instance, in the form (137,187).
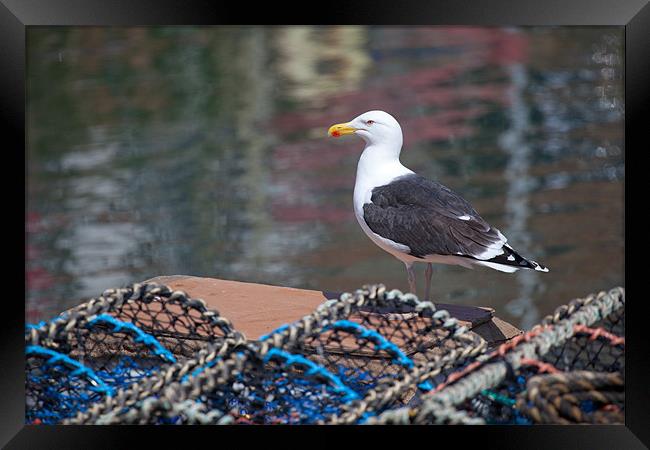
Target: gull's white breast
(370,176)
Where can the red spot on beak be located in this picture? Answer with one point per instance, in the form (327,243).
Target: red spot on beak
(336,134)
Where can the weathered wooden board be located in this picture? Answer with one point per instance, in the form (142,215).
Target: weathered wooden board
(257,309)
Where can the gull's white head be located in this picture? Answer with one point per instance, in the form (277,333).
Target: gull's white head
(374,127)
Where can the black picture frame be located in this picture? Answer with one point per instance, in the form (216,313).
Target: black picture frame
(16,15)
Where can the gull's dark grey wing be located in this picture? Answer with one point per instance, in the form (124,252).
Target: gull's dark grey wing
(430,219)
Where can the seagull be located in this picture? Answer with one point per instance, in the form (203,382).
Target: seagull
(416,219)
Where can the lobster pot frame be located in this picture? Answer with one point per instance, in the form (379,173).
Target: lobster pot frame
(89,352)
(387,346)
(567,369)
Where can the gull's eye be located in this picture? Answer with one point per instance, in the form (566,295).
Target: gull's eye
(369,122)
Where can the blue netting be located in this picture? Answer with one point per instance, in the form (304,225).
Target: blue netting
(58,386)
(89,353)
(378,360)
(282,388)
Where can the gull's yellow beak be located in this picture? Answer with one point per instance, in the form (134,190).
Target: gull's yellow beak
(340,129)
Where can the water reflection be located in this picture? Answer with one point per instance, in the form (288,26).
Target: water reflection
(316,62)
(517,175)
(202,151)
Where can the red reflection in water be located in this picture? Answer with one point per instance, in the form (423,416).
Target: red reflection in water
(37,278)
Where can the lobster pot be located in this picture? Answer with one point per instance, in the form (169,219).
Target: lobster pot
(592,348)
(534,394)
(589,385)
(88,353)
(386,346)
(568,369)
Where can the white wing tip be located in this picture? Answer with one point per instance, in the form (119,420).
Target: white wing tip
(497,266)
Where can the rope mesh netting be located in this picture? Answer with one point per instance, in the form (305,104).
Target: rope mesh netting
(568,369)
(84,355)
(149,355)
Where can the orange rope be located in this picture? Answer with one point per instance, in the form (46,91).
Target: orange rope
(500,351)
(595,333)
(457,375)
(512,343)
(542,367)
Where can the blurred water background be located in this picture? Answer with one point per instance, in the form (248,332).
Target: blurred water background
(203,151)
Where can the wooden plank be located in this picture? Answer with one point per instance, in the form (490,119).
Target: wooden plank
(470,316)
(254,309)
(496,331)
(257,309)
